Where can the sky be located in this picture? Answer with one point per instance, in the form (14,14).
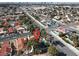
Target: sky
(39,0)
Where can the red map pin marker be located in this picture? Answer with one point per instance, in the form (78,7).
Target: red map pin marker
(36,33)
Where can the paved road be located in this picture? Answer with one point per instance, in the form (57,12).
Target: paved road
(62,48)
(14,36)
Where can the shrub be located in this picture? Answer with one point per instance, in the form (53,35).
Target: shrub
(52,51)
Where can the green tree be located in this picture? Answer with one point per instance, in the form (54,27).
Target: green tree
(36,17)
(24,21)
(43,33)
(31,27)
(32,43)
(35,46)
(52,51)
(29,43)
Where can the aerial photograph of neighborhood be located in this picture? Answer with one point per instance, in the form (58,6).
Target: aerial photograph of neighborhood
(39,29)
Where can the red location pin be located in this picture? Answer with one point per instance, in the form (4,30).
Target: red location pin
(36,33)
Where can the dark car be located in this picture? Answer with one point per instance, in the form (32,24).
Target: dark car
(61,54)
(58,43)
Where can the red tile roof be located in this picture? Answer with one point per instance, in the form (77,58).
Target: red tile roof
(1,29)
(20,43)
(5,48)
(17,23)
(10,30)
(5,23)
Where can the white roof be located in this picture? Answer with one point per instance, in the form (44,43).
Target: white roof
(20,28)
(39,7)
(2,32)
(43,20)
